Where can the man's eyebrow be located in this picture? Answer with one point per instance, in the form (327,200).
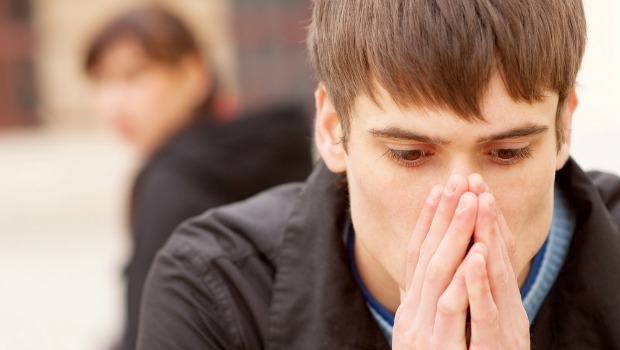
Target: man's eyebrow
(521,131)
(400,134)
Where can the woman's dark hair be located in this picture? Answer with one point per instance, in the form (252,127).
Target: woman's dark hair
(162,35)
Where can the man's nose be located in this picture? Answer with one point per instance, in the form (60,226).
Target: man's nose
(469,170)
(463,165)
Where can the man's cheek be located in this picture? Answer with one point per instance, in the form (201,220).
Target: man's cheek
(519,195)
(527,211)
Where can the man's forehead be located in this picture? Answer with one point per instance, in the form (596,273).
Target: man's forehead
(499,111)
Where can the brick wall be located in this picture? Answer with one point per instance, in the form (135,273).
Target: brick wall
(271,52)
(17,81)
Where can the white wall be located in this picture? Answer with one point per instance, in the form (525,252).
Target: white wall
(596,125)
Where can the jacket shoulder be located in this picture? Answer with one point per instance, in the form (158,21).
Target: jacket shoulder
(608,186)
(210,286)
(251,227)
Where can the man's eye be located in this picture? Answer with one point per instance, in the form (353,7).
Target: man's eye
(509,156)
(410,158)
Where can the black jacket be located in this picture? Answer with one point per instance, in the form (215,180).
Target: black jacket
(206,165)
(272,273)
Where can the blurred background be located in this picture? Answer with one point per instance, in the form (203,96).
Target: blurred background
(64,178)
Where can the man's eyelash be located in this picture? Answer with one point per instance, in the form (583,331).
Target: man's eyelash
(500,156)
(517,154)
(399,157)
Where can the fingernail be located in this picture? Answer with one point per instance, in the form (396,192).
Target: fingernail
(451,187)
(463,202)
(435,194)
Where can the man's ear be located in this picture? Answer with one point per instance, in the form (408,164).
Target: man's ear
(567,121)
(328,132)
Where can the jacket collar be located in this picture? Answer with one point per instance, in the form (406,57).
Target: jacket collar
(316,303)
(582,310)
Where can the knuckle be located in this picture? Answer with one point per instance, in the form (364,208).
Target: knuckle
(523,323)
(412,257)
(447,307)
(442,211)
(439,343)
(435,271)
(407,332)
(500,278)
(516,339)
(487,318)
(413,253)
(490,317)
(483,343)
(426,252)
(445,208)
(399,318)
(425,218)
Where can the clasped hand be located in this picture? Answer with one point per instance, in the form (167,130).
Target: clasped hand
(444,279)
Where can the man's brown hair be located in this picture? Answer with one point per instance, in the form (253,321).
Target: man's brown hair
(442,53)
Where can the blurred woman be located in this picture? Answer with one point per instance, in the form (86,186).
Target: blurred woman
(154,88)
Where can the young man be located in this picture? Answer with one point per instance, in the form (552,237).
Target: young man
(445,213)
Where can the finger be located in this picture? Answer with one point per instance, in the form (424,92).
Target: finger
(508,238)
(456,186)
(504,230)
(421,229)
(487,232)
(503,283)
(484,313)
(449,255)
(508,299)
(449,329)
(476,184)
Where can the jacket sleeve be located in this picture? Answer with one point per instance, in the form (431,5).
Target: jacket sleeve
(163,200)
(210,286)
